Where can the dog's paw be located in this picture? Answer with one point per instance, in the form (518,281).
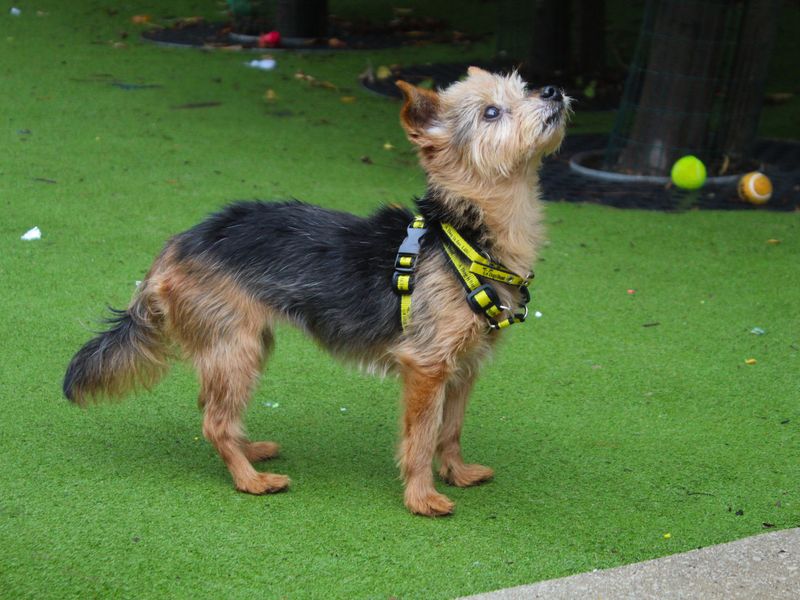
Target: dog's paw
(466,475)
(258,451)
(263,483)
(432,504)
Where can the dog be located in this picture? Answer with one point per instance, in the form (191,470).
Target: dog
(216,291)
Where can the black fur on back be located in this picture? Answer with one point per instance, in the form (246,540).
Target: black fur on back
(328,271)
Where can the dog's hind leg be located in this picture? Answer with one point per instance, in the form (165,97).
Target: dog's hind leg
(423,396)
(452,468)
(258,451)
(228,336)
(228,372)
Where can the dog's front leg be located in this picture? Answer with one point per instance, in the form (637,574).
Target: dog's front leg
(452,468)
(423,397)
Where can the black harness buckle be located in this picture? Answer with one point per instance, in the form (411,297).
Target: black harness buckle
(406,258)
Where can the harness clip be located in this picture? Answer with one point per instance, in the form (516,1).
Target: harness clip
(403,283)
(484,299)
(406,258)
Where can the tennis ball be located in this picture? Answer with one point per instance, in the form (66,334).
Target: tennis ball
(755,188)
(688,173)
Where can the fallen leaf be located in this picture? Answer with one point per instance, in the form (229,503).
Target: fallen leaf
(348,99)
(270,95)
(383,72)
(750,361)
(773,241)
(141,19)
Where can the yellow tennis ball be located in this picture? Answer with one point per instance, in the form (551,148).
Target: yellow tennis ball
(755,188)
(688,173)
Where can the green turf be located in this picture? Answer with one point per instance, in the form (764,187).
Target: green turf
(605,434)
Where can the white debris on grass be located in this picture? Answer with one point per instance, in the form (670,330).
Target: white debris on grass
(265,64)
(757,331)
(271,404)
(32,234)
(537,314)
(14,11)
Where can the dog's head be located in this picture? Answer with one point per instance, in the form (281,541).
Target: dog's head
(486,127)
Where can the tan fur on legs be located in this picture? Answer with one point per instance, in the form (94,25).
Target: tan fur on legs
(452,468)
(228,335)
(423,396)
(227,376)
(258,451)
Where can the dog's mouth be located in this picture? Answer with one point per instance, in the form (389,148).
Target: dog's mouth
(559,113)
(555,117)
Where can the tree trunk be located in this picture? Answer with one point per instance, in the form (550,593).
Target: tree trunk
(742,109)
(302,18)
(550,52)
(591,37)
(695,86)
(679,81)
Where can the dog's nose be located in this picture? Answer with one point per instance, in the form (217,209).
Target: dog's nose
(550,92)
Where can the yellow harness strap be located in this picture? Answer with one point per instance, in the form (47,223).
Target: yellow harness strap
(482,297)
(469,264)
(481,265)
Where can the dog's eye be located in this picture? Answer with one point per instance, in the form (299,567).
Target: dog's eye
(491,113)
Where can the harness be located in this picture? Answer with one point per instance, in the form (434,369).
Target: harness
(471,266)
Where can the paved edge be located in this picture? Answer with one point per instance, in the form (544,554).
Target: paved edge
(763,566)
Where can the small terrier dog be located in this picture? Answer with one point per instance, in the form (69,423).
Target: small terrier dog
(215,292)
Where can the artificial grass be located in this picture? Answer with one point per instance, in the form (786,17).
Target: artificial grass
(605,434)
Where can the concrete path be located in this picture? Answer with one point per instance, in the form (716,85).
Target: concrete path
(761,567)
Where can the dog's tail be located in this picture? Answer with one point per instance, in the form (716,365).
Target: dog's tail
(132,352)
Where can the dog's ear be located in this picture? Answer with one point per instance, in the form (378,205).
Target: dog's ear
(474,71)
(420,109)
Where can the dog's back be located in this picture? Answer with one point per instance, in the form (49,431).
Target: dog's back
(329,272)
